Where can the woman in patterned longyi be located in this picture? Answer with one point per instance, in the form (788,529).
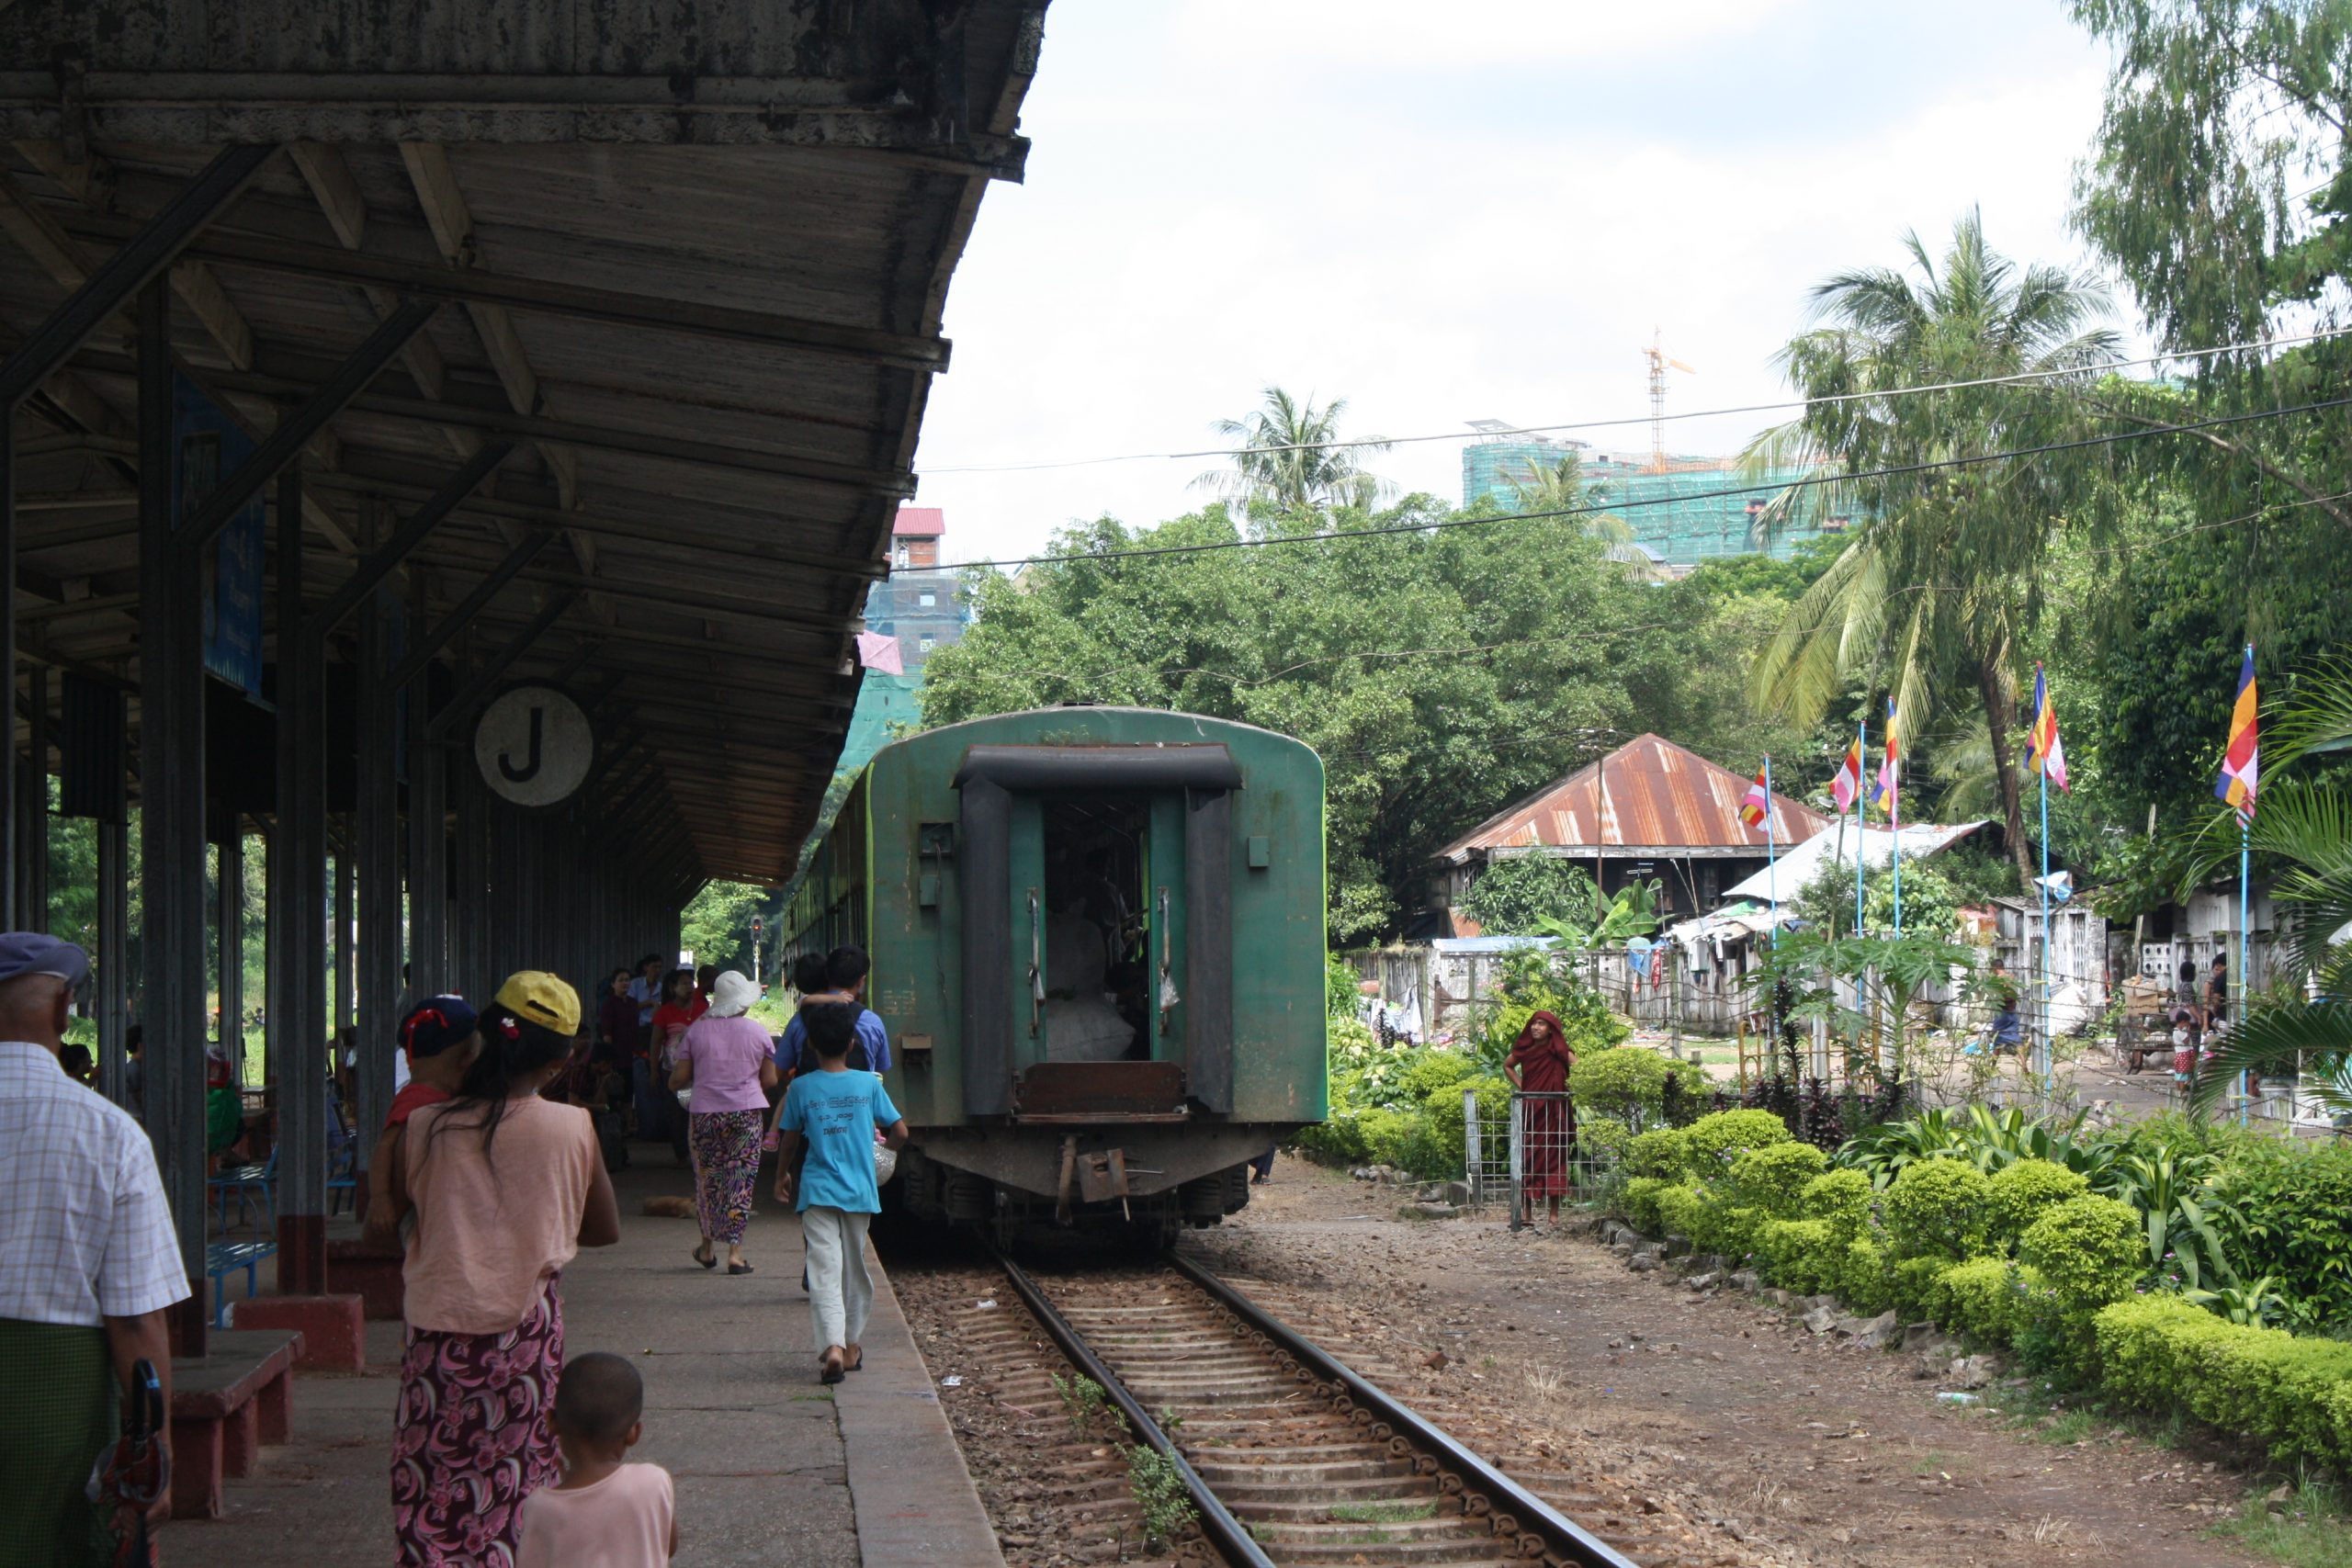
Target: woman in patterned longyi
(729,1063)
(505,1187)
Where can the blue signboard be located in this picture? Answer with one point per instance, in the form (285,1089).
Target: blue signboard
(206,445)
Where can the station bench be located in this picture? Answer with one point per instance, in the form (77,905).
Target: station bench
(222,1259)
(225,1405)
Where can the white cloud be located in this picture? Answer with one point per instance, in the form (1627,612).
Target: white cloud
(1470,244)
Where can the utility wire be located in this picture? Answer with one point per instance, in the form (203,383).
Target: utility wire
(1599,508)
(2022,378)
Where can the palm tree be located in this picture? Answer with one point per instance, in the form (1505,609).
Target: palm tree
(2303,1026)
(1941,582)
(1289,459)
(1562,487)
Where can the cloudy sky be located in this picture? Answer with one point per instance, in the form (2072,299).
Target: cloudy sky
(1448,213)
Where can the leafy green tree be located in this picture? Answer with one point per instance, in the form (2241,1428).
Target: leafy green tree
(1287,459)
(1516,894)
(1939,587)
(717,923)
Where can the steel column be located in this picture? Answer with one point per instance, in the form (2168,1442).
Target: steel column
(171,816)
(429,843)
(378,832)
(345,978)
(113,983)
(8,643)
(297,892)
(32,806)
(136,266)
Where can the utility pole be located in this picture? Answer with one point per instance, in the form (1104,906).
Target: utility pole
(757,925)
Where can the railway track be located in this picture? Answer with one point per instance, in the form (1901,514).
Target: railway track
(1290,1456)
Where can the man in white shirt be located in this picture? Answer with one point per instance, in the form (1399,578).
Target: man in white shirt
(88,1261)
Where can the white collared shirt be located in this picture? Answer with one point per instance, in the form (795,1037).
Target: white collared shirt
(85,1232)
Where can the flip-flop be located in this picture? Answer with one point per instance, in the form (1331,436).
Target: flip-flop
(710,1262)
(741,1269)
(831,1373)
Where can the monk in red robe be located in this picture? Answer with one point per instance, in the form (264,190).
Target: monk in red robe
(1538,1066)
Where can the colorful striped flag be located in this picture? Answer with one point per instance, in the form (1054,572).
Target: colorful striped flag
(2044,750)
(1758,804)
(1890,772)
(2241,763)
(1848,785)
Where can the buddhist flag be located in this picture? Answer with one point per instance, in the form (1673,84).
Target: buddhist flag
(1757,804)
(2044,750)
(1890,772)
(1847,787)
(2241,763)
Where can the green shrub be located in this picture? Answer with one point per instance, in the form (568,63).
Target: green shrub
(1638,1201)
(1657,1153)
(1442,1113)
(1864,1280)
(2292,1394)
(1773,1180)
(1980,1298)
(1938,1208)
(1679,1209)
(2086,1252)
(1803,1256)
(1709,1143)
(1628,1082)
(1841,1198)
(1911,1285)
(2291,1198)
(2024,1191)
(1601,1141)
(1723,1226)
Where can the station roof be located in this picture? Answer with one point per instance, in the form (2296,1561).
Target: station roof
(1649,796)
(694,274)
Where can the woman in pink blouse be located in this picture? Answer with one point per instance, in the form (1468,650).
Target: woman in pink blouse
(730,1063)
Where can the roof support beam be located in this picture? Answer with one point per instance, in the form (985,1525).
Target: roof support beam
(487,678)
(540,295)
(298,427)
(421,522)
(437,639)
(147,249)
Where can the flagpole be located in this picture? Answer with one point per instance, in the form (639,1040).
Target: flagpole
(2245,939)
(2043,1052)
(1771,856)
(1894,812)
(1861,813)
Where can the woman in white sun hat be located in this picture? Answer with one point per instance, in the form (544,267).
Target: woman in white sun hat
(729,1062)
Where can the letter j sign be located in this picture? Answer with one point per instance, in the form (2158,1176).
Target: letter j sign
(534,746)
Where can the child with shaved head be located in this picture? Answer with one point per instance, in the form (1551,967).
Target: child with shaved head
(605,1513)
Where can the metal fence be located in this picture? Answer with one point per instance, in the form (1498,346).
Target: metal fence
(1524,1154)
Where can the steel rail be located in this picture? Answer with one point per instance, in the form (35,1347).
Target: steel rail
(1561,1534)
(1228,1535)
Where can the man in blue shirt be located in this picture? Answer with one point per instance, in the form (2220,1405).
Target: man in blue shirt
(832,1114)
(847,969)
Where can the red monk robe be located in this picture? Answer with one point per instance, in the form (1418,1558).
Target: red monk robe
(1538,1065)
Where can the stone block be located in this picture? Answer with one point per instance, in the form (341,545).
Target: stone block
(1746,1279)
(1821,1320)
(334,1328)
(1642,1261)
(1678,1246)
(1706,1281)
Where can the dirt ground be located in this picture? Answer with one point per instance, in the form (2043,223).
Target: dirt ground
(1728,1409)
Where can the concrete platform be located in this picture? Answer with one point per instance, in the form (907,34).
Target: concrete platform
(771,1468)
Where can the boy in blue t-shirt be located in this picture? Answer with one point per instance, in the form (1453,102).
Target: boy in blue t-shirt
(833,1113)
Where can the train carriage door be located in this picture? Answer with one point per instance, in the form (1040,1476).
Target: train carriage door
(1097,886)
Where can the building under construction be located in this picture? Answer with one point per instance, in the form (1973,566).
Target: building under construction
(1683,509)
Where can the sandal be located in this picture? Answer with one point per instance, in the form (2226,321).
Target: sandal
(710,1262)
(741,1269)
(831,1373)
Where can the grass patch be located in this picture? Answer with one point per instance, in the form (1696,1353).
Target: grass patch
(2311,1528)
(1382,1513)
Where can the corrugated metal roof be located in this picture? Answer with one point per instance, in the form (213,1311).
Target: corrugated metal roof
(919,522)
(1649,793)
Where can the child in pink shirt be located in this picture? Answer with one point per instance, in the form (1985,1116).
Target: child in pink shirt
(603,1513)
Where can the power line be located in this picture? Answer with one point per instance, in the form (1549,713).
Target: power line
(1598,508)
(2023,378)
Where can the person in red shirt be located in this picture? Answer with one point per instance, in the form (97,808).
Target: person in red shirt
(678,1008)
(442,1042)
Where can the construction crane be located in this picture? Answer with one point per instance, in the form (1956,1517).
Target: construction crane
(1659,366)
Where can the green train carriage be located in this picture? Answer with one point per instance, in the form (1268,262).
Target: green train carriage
(1097,938)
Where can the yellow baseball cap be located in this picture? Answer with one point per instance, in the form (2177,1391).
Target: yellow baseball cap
(539,997)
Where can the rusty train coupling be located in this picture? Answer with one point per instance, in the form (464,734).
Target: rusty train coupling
(1284,1454)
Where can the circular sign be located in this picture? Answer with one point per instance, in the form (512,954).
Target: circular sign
(534,746)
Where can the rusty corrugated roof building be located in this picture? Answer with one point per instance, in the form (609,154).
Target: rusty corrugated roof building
(1648,810)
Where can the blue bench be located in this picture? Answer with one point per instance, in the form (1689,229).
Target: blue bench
(245,1182)
(222,1259)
